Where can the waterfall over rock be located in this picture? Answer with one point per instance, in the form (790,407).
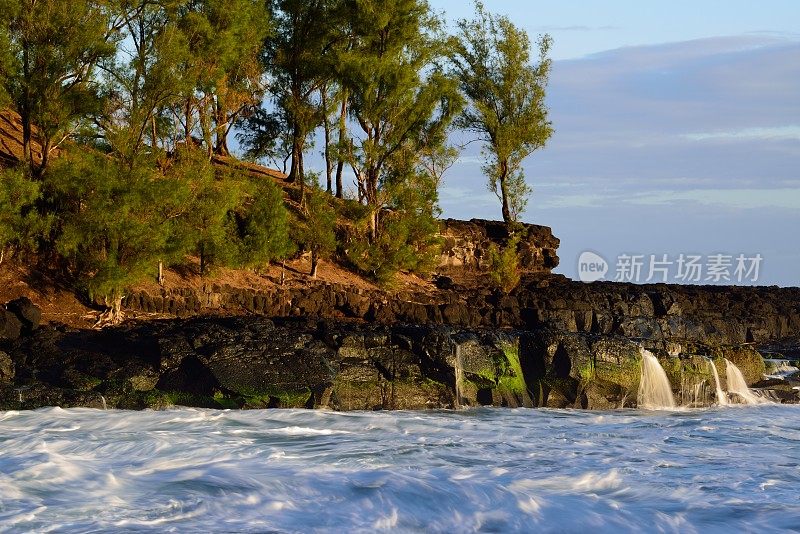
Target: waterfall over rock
(722,397)
(655,392)
(459,372)
(737,385)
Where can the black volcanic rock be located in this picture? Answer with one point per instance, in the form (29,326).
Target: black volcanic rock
(27,312)
(10,325)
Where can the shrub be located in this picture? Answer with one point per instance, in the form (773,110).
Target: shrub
(204,222)
(504,264)
(110,224)
(263,227)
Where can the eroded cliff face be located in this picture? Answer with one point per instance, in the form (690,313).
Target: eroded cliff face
(556,344)
(665,314)
(466,245)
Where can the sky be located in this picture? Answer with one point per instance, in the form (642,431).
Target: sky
(677,133)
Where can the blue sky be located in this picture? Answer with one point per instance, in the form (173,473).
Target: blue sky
(677,131)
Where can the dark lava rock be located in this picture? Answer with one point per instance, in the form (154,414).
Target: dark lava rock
(6,368)
(10,325)
(27,312)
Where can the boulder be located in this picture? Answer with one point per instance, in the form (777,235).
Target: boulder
(27,312)
(10,325)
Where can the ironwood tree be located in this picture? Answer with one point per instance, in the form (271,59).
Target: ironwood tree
(399,97)
(50,67)
(506,100)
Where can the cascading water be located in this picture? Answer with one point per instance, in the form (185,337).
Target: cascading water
(655,392)
(737,385)
(722,397)
(458,367)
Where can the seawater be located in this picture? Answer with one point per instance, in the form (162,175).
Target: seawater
(188,470)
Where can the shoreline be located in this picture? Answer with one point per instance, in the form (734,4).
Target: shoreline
(551,342)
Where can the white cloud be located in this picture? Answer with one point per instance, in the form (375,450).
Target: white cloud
(788,198)
(745,134)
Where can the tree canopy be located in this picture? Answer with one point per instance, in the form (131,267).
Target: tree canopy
(506,95)
(142,97)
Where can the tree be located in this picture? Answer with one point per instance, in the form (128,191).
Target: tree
(317,229)
(148,77)
(6,57)
(263,226)
(504,264)
(304,31)
(225,39)
(506,100)
(399,98)
(51,81)
(111,227)
(264,137)
(203,203)
(409,226)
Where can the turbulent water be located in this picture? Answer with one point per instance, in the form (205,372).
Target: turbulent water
(187,470)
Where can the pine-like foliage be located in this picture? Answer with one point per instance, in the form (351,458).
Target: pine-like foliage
(398,96)
(316,229)
(263,227)
(504,264)
(110,221)
(506,95)
(19,221)
(204,212)
(50,66)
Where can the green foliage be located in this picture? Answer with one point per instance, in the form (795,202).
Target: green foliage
(506,95)
(204,223)
(149,76)
(504,264)
(51,81)
(264,137)
(225,39)
(316,231)
(407,237)
(587,371)
(19,221)
(6,56)
(399,97)
(298,60)
(263,227)
(111,223)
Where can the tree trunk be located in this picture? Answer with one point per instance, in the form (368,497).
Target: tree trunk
(339,185)
(205,125)
(221,130)
(373,225)
(160,273)
(25,109)
(371,193)
(296,172)
(302,176)
(314,263)
(27,153)
(113,315)
(45,144)
(188,127)
(504,196)
(342,135)
(327,127)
